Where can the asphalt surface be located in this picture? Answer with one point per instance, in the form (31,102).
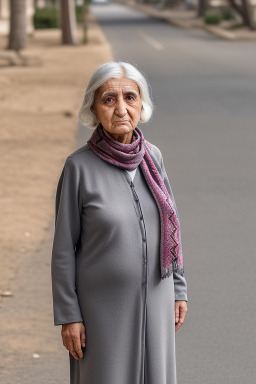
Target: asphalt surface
(204,123)
(204,90)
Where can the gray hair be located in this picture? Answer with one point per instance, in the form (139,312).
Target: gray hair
(114,69)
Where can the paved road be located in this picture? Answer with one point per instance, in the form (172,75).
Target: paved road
(204,90)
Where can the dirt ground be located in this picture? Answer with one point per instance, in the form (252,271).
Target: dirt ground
(38,107)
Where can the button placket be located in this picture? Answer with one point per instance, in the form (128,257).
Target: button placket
(141,223)
(145,268)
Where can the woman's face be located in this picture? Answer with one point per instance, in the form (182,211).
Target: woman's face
(117,106)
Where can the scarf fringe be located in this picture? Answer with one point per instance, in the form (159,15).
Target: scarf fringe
(165,273)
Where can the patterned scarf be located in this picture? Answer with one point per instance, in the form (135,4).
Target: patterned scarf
(129,156)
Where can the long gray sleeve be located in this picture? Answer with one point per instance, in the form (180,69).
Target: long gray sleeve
(180,284)
(67,231)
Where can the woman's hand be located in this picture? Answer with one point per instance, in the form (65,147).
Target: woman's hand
(73,338)
(180,313)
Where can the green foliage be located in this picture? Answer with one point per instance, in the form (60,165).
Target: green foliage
(81,9)
(212,18)
(46,18)
(79,13)
(81,18)
(227,14)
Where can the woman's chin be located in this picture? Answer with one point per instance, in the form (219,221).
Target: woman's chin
(122,128)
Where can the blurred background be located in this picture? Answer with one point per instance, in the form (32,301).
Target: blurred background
(199,57)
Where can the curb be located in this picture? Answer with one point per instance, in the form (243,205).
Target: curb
(191,24)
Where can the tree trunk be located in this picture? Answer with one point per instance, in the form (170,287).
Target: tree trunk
(68,22)
(245,10)
(249,15)
(202,7)
(18,25)
(237,7)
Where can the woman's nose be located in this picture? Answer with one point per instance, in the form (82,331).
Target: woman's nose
(120,108)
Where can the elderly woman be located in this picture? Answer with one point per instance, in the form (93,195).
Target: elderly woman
(118,282)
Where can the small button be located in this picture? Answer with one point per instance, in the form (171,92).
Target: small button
(145,261)
(145,284)
(135,195)
(144,239)
(141,217)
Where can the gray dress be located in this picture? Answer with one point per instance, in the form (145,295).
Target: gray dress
(106,273)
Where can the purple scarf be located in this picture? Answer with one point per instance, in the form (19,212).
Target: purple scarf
(129,156)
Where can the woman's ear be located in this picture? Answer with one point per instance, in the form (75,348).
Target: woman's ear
(142,108)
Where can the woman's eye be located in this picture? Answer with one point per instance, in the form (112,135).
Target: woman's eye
(108,100)
(130,98)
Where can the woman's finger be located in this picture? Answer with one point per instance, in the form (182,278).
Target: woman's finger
(77,346)
(177,312)
(180,313)
(68,343)
(72,351)
(83,337)
(177,326)
(74,354)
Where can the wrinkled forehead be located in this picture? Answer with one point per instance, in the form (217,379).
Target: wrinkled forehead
(118,85)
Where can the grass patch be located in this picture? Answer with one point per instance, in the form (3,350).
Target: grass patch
(212,18)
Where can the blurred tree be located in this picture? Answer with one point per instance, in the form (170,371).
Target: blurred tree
(68,22)
(203,6)
(40,4)
(246,11)
(243,7)
(18,21)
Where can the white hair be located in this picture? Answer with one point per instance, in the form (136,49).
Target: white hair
(114,69)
